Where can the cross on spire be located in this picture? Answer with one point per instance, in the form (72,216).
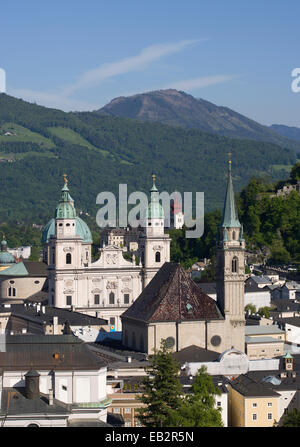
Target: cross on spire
(229,161)
(65,179)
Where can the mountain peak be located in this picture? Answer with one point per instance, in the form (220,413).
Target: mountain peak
(178,108)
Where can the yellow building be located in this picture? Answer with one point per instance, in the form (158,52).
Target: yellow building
(251,404)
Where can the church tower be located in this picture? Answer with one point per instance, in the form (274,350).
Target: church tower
(154,243)
(66,251)
(231,270)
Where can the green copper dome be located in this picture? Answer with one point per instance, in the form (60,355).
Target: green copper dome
(5,257)
(155,209)
(81,229)
(65,209)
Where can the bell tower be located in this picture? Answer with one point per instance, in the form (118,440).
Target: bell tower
(154,243)
(231,269)
(65,252)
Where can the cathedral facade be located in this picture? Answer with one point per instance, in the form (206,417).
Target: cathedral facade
(108,286)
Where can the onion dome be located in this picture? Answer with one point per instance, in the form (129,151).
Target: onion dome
(65,208)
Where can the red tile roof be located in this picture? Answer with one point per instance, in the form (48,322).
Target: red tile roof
(172,296)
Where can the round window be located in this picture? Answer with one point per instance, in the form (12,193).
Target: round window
(215,340)
(11,282)
(170,342)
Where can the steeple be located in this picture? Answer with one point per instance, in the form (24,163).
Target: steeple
(65,208)
(230,218)
(155,209)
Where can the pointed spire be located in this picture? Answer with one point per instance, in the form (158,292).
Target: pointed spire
(65,208)
(153,189)
(230,218)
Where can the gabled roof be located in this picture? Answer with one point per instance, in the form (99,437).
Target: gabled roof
(172,296)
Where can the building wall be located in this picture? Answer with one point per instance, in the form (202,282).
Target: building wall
(185,334)
(258,299)
(68,386)
(242,410)
(264,350)
(236,405)
(24,287)
(262,410)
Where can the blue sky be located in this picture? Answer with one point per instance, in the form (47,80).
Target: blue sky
(79,55)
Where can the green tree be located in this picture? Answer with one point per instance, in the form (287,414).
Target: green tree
(264,312)
(292,419)
(198,409)
(251,308)
(295,172)
(161,390)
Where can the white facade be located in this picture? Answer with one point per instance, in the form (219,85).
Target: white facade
(19,252)
(108,286)
(258,299)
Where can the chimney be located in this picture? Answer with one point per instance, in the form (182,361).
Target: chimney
(50,396)
(32,384)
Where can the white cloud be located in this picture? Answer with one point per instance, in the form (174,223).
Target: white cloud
(195,83)
(134,63)
(62,98)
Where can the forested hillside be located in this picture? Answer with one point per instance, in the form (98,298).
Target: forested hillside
(177,108)
(37,145)
(271,225)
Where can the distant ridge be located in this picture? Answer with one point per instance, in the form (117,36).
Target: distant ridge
(177,108)
(99,152)
(293,133)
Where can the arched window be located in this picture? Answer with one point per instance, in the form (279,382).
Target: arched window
(233,235)
(111,298)
(234,265)
(68,258)
(11,291)
(157,256)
